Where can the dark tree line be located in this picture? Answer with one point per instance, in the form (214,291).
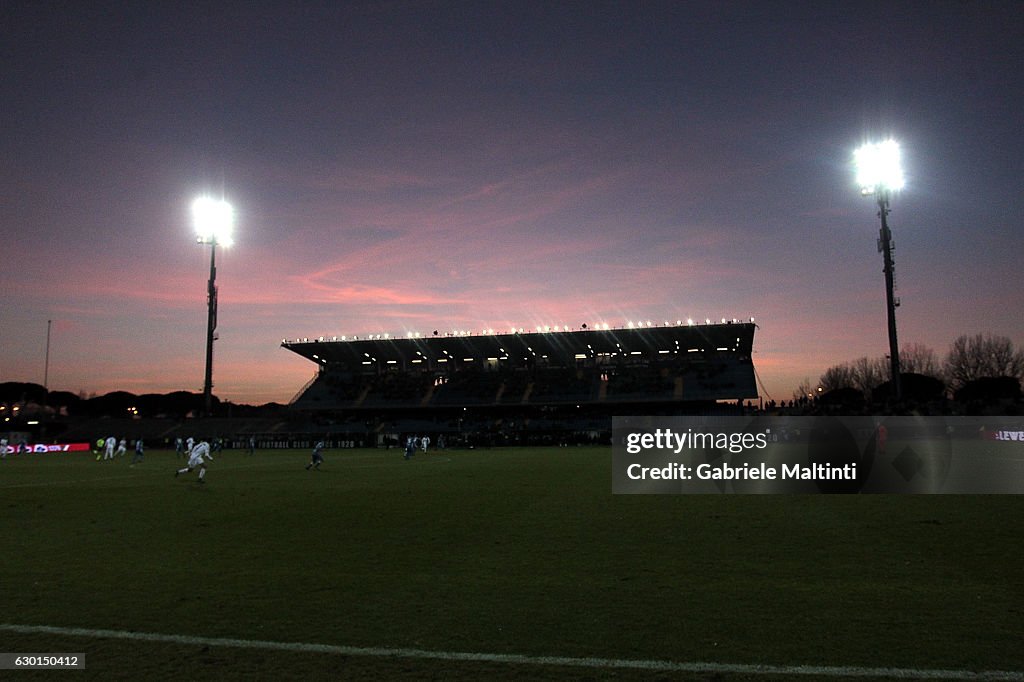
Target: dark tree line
(976,367)
(175,405)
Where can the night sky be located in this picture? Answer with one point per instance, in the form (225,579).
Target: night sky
(412,166)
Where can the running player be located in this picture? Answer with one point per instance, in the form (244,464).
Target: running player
(197,458)
(318,456)
(138,452)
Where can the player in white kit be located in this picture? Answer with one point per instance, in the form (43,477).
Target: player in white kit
(197,459)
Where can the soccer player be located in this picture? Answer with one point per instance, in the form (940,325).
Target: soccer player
(197,458)
(122,447)
(318,456)
(179,447)
(3,447)
(137,457)
(252,445)
(189,444)
(425,442)
(410,447)
(110,443)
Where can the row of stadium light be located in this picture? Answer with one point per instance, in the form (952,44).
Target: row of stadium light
(602,326)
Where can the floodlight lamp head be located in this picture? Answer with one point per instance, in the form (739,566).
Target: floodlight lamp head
(213,220)
(878,168)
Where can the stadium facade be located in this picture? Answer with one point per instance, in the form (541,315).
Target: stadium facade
(518,387)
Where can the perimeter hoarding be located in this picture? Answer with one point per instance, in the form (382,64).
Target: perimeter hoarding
(43,448)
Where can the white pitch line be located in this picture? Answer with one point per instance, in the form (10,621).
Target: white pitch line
(521,659)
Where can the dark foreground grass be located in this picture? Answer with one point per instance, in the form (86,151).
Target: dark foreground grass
(520,551)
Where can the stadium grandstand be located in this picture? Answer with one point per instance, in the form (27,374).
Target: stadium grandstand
(543,386)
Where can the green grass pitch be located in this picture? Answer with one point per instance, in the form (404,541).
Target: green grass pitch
(518,551)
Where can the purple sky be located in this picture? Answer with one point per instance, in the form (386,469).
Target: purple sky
(415,166)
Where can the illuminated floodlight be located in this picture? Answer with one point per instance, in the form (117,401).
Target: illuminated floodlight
(214,220)
(878,167)
(879,173)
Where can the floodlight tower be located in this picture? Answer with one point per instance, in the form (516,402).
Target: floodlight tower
(879,174)
(213,220)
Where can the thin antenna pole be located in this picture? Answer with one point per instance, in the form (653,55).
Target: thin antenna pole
(46,366)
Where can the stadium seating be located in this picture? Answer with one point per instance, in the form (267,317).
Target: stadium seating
(508,385)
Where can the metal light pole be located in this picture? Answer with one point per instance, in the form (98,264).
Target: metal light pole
(213,220)
(211,328)
(891,302)
(879,173)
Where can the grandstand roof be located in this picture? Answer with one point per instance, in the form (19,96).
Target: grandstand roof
(694,342)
